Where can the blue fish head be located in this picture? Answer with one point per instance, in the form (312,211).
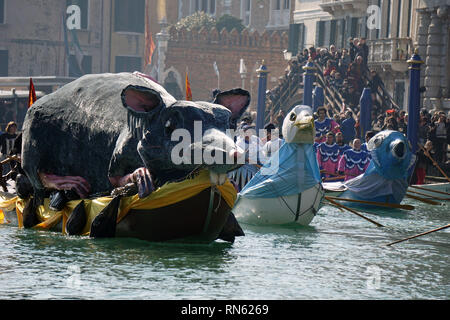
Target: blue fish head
(391,154)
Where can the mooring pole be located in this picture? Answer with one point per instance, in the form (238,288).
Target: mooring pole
(308,80)
(318,98)
(414,100)
(261,107)
(365,116)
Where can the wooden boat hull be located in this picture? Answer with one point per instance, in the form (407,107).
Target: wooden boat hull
(297,209)
(185,221)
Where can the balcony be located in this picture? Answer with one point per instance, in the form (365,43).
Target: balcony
(340,8)
(393,52)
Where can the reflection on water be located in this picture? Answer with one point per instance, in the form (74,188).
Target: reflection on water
(340,256)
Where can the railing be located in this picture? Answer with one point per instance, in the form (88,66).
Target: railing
(294,83)
(331,95)
(334,98)
(389,50)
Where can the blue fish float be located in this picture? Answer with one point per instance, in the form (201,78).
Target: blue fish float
(386,178)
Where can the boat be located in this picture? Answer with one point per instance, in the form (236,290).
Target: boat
(287,189)
(192,210)
(385,180)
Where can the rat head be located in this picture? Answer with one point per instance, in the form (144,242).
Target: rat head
(189,135)
(298,125)
(391,154)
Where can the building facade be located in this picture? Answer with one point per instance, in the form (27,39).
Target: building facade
(110,36)
(33,40)
(393,28)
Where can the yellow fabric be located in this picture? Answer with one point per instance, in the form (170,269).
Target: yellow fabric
(167,195)
(2,217)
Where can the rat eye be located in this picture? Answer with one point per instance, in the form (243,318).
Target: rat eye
(293,117)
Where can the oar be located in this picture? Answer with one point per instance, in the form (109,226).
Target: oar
(427,195)
(375,203)
(434,161)
(418,235)
(352,211)
(336,174)
(340,209)
(428,201)
(430,190)
(435,178)
(333,179)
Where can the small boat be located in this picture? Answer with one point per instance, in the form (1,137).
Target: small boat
(192,210)
(298,208)
(287,189)
(385,180)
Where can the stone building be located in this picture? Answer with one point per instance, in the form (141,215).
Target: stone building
(111,37)
(392,28)
(265,38)
(433,41)
(32,41)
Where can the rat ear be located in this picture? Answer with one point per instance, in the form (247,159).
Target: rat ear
(140,99)
(235,100)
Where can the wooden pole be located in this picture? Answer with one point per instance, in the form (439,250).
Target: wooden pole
(419,235)
(429,196)
(430,190)
(353,211)
(428,201)
(374,203)
(434,161)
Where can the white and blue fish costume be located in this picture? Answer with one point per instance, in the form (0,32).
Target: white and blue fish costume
(385,180)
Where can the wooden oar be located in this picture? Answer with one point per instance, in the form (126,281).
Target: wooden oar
(333,179)
(435,178)
(434,161)
(340,209)
(429,196)
(419,235)
(430,190)
(352,211)
(336,174)
(374,203)
(9,159)
(428,201)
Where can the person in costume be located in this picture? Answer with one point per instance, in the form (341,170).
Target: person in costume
(347,127)
(323,125)
(369,135)
(271,143)
(328,156)
(340,142)
(250,143)
(354,161)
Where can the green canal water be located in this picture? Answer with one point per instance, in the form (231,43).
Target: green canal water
(340,256)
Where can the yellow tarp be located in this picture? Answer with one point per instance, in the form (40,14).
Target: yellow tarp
(167,195)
